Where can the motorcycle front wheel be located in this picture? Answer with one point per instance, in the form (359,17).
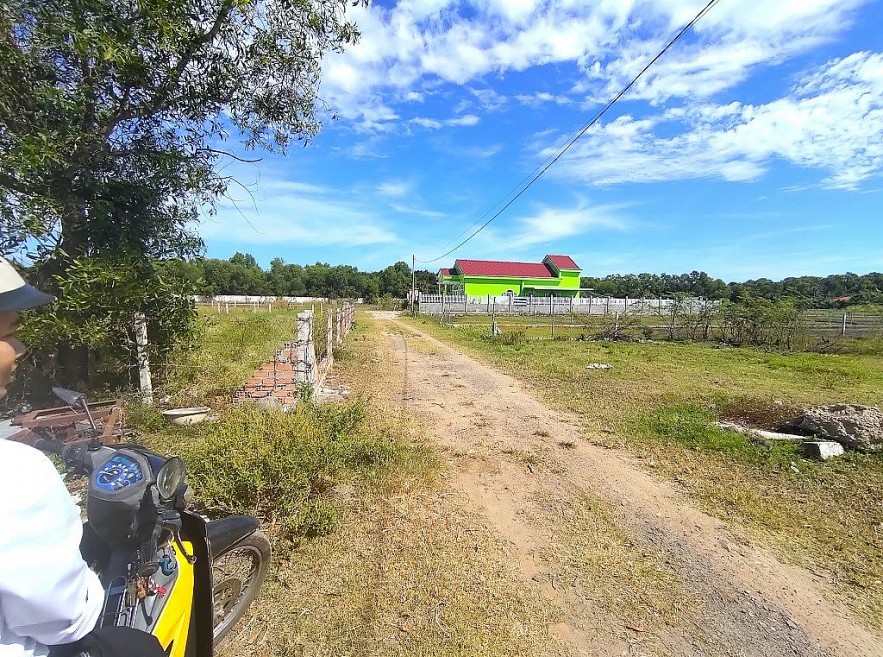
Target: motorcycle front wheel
(237,575)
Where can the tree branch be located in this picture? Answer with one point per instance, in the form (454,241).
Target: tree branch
(228,154)
(166,89)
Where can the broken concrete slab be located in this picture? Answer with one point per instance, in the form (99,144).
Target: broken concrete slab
(821,449)
(760,434)
(852,425)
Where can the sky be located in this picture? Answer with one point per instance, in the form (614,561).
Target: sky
(753,148)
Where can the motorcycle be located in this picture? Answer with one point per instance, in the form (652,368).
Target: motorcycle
(165,569)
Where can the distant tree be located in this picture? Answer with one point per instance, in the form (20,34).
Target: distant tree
(427,281)
(396,280)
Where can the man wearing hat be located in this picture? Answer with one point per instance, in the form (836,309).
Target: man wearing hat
(48,595)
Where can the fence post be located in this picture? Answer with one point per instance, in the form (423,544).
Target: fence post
(144,380)
(329,335)
(465,307)
(843,326)
(607,309)
(489,304)
(552,310)
(510,304)
(305,370)
(625,308)
(337,313)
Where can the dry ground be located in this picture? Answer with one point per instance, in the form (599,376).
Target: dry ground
(633,566)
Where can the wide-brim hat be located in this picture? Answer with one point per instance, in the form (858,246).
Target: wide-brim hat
(15,294)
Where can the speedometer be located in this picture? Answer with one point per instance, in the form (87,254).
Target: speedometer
(118,473)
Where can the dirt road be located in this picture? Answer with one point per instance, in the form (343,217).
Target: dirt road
(528,470)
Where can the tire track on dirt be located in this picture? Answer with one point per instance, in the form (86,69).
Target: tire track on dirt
(750,603)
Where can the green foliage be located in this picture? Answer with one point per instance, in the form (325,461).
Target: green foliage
(692,425)
(93,317)
(223,352)
(110,116)
(834,291)
(146,417)
(696,283)
(758,322)
(283,466)
(242,275)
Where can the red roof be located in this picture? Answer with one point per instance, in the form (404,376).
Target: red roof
(445,271)
(502,268)
(562,261)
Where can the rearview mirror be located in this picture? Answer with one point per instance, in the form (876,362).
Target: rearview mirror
(72,398)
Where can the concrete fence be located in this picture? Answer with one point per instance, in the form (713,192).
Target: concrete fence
(436,304)
(299,363)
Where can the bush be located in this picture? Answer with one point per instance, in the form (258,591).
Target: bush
(511,338)
(282,466)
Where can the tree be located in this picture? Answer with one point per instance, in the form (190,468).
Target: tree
(395,280)
(113,113)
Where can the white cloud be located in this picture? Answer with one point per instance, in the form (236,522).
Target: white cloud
(418,44)
(833,121)
(467,120)
(551,225)
(435,124)
(542,98)
(419,212)
(394,188)
(423,122)
(547,229)
(296,213)
(488,99)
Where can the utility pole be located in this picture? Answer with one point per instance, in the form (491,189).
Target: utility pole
(413,285)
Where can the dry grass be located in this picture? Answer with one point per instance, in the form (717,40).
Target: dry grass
(407,571)
(661,400)
(598,558)
(409,574)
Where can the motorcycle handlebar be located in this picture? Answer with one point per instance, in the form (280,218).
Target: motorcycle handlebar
(78,457)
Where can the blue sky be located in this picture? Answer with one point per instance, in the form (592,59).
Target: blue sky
(753,148)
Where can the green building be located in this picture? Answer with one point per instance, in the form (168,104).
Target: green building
(556,275)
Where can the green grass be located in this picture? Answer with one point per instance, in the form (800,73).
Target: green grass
(662,400)
(282,467)
(226,350)
(370,554)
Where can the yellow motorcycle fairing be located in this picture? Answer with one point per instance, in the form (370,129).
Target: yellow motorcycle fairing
(173,625)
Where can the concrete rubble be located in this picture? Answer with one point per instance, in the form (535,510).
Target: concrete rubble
(821,449)
(852,425)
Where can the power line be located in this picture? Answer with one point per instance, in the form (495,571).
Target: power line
(523,187)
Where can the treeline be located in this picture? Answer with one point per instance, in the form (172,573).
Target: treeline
(834,291)
(241,274)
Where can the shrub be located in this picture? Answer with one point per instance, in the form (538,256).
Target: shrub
(282,466)
(511,338)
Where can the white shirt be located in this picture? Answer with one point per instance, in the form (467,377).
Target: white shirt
(48,596)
